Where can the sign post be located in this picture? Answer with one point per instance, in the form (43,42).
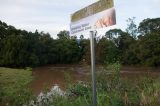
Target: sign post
(97,15)
(94,96)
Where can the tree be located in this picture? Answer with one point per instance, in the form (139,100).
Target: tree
(149,49)
(106,51)
(85,50)
(113,35)
(148,26)
(20,48)
(63,35)
(81,37)
(132,27)
(121,44)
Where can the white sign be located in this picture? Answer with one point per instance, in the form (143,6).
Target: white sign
(89,18)
(99,20)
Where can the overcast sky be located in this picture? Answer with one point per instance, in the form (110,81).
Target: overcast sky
(54,15)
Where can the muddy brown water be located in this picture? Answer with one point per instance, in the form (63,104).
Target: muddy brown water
(48,76)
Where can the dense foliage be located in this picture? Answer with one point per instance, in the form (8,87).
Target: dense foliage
(135,46)
(22,48)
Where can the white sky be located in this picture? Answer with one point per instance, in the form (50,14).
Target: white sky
(54,15)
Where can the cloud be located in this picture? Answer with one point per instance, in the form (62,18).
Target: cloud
(48,15)
(157,1)
(54,15)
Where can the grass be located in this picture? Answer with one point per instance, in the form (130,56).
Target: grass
(14,86)
(14,77)
(112,90)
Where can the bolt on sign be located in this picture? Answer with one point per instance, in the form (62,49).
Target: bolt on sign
(97,15)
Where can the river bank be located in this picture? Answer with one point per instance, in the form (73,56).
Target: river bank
(137,83)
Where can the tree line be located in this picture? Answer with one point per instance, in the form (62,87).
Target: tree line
(135,46)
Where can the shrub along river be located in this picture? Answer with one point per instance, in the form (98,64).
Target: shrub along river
(48,76)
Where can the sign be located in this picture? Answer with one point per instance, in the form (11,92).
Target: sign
(97,15)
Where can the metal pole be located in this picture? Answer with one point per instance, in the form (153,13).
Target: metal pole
(94,95)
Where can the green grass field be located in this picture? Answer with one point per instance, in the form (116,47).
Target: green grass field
(14,86)
(14,77)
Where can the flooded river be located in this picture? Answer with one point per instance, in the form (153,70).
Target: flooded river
(48,76)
